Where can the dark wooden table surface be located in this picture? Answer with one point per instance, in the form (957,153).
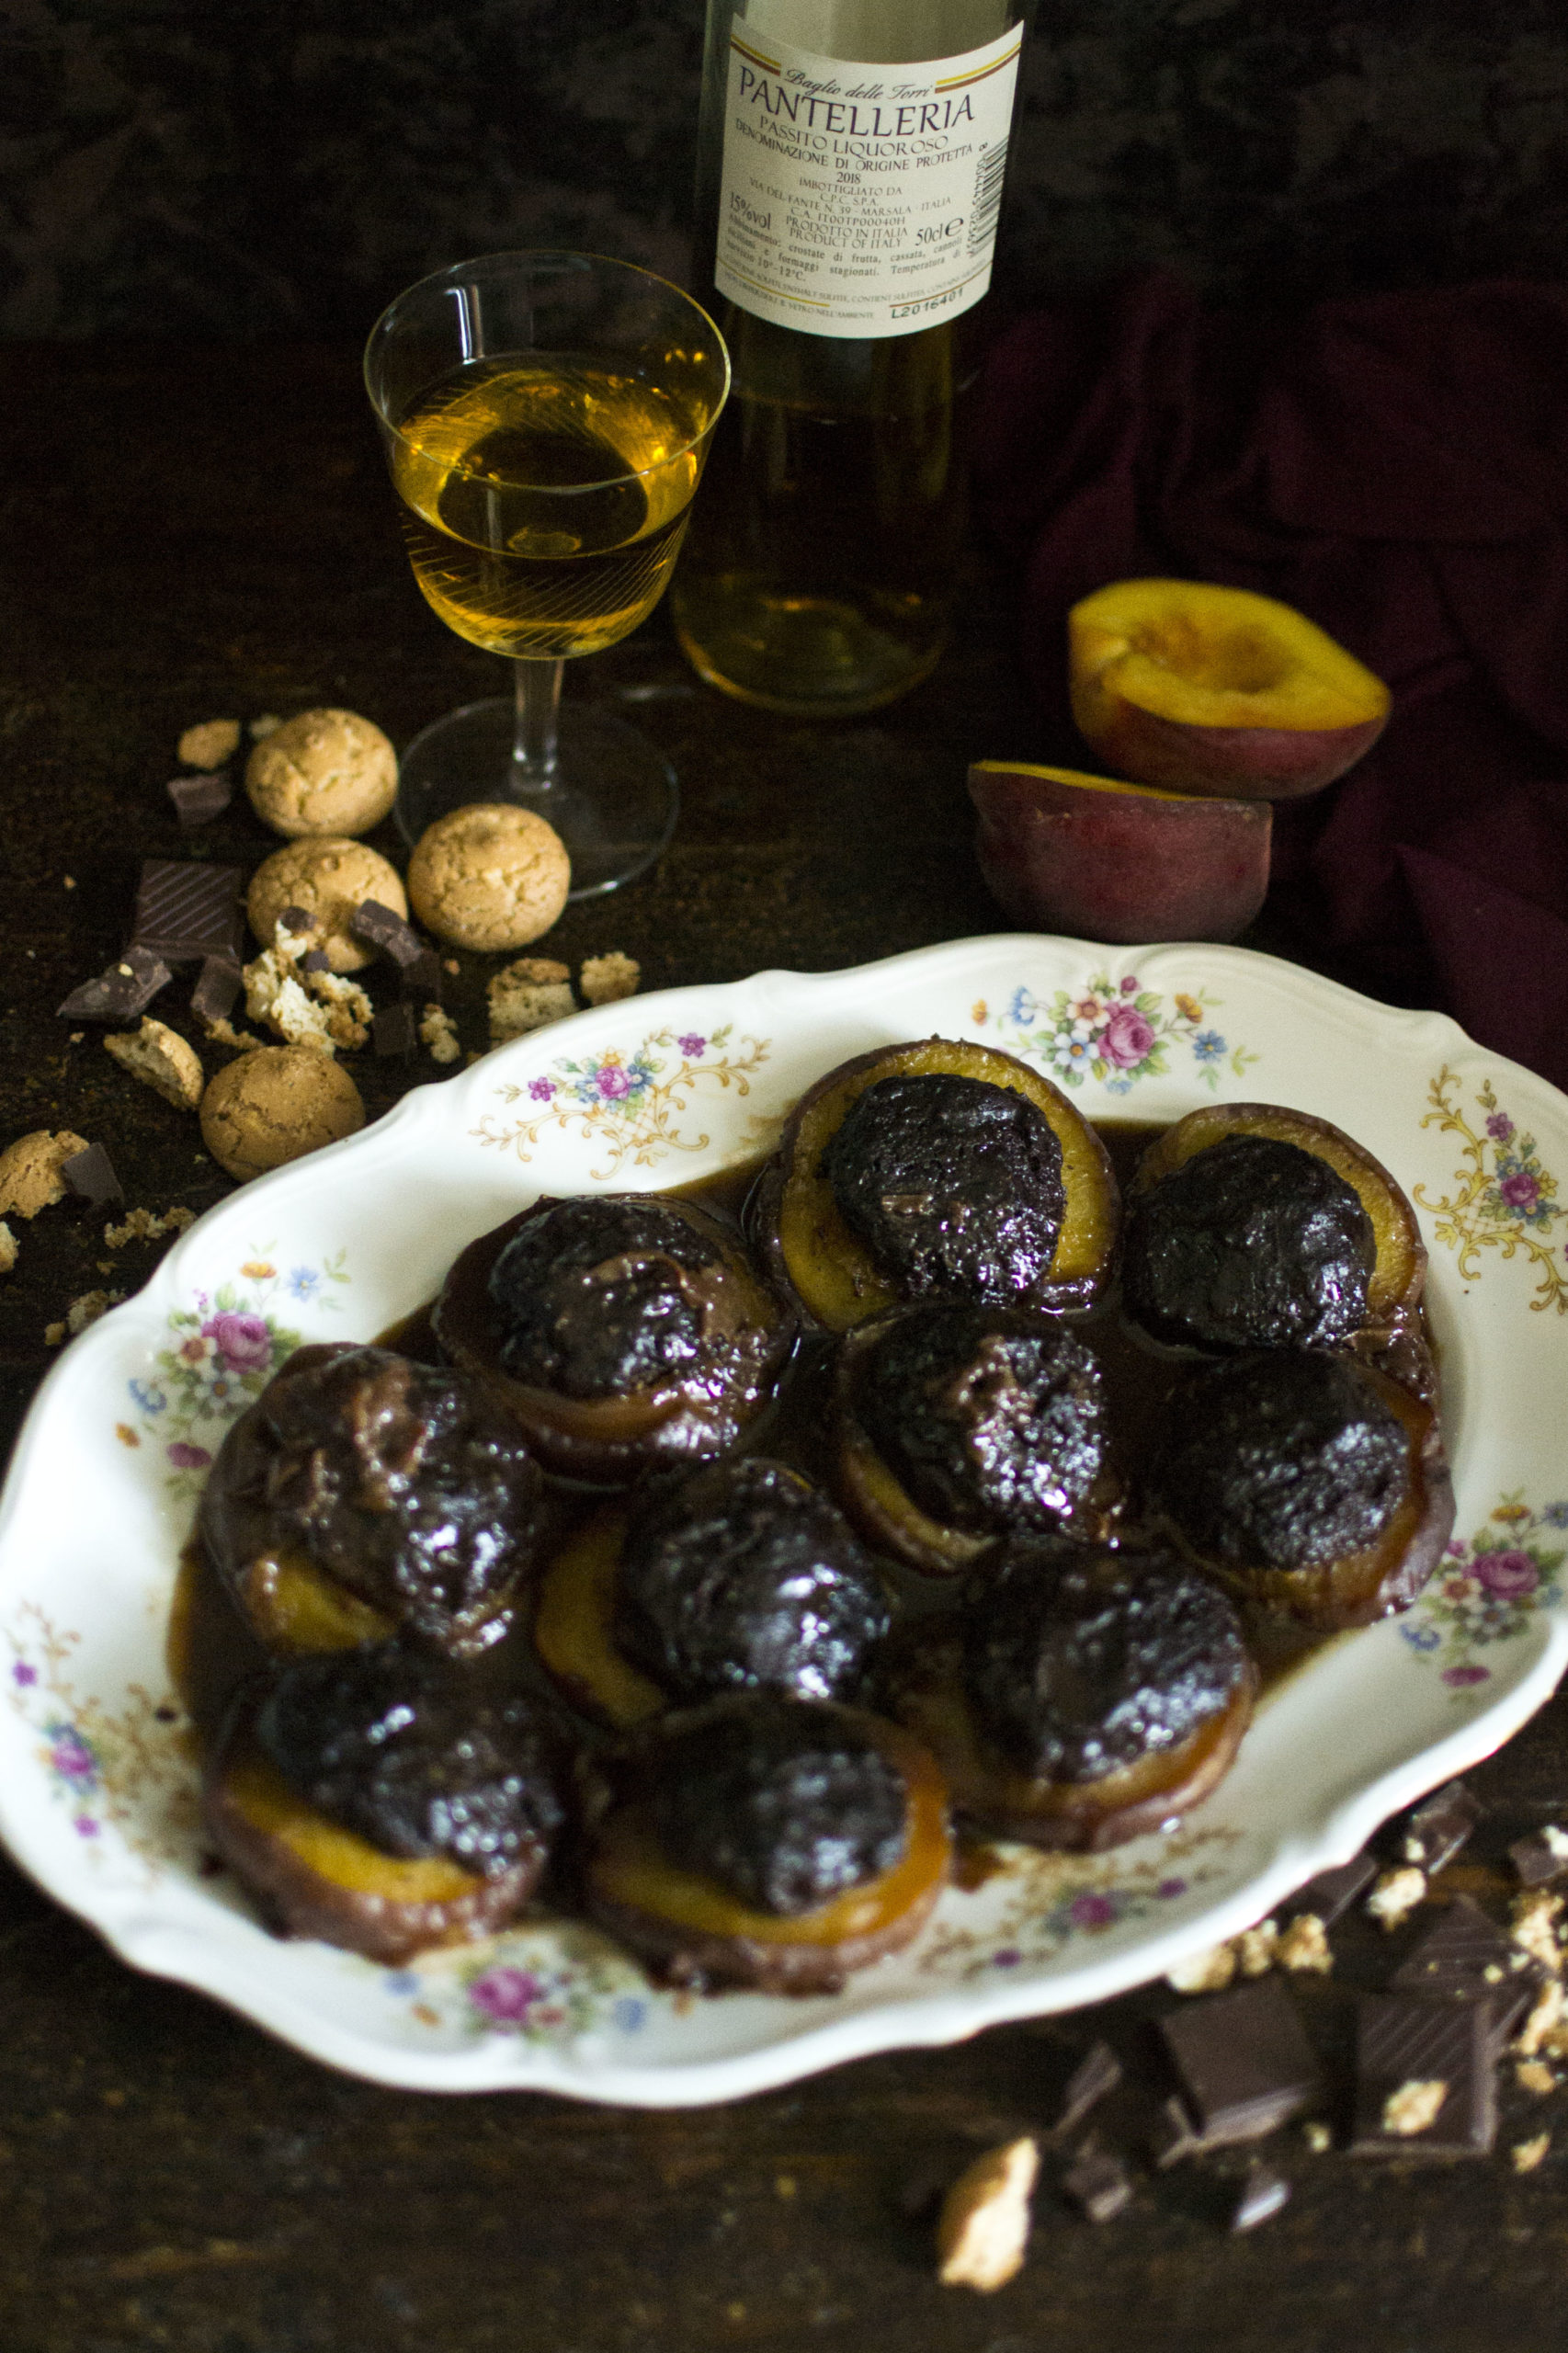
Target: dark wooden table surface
(206,532)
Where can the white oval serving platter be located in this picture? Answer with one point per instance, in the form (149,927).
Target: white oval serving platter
(98,1788)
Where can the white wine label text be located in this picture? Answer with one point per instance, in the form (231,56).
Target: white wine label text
(861,200)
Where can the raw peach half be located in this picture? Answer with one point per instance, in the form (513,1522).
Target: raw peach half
(1209,689)
(1083,854)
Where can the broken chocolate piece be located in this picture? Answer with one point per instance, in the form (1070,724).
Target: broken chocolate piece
(198,798)
(1244,2059)
(1174,2135)
(395,1030)
(422,978)
(91,1176)
(297,921)
(316,961)
(1405,2045)
(212,998)
(1465,1957)
(379,928)
(1439,1826)
(1098,2182)
(184,910)
(1263,2194)
(1332,1892)
(1097,2072)
(120,991)
(1541,1858)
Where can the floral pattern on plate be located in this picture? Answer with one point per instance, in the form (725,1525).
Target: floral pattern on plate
(1117,1031)
(630,1103)
(1056,1900)
(222,1350)
(1487,1590)
(548,1984)
(1510,1206)
(127,1769)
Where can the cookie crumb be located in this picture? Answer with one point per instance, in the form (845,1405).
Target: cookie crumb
(161,1059)
(145,1225)
(52,1335)
(268,724)
(1531,1920)
(449,964)
(8,1248)
(983,2227)
(1304,1945)
(82,1312)
(223,1032)
(1204,1973)
(1396,1895)
(68,882)
(211,743)
(1415,2107)
(438,1032)
(1317,2136)
(604,980)
(528,994)
(1545,2017)
(1528,2154)
(75,1038)
(1257,1948)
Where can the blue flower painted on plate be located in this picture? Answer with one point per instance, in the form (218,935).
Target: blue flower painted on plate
(1116,1031)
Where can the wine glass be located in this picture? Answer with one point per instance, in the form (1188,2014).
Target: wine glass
(546,417)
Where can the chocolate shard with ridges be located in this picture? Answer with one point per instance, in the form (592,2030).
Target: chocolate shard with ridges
(1098,2182)
(1332,1892)
(1174,2135)
(120,991)
(1097,2072)
(1439,1826)
(185,909)
(1404,2044)
(1245,2061)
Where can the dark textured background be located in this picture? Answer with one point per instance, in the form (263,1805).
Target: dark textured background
(211,167)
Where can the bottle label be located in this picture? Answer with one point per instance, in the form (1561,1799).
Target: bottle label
(862,199)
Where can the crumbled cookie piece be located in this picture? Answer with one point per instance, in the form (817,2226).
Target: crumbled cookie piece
(983,2227)
(1204,1973)
(1535,2075)
(79,1314)
(8,1248)
(1528,2154)
(266,724)
(438,1032)
(491,877)
(326,771)
(1317,2136)
(273,994)
(528,994)
(31,1171)
(211,743)
(1257,1948)
(604,980)
(1396,1895)
(1545,2017)
(329,877)
(53,1335)
(1532,1923)
(1415,2107)
(223,1032)
(145,1225)
(161,1059)
(275,1105)
(1304,1945)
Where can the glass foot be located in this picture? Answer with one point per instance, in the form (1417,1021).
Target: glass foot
(614,799)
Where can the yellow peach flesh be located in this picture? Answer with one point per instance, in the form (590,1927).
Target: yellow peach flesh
(1205,656)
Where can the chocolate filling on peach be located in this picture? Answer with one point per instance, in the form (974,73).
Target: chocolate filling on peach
(1387,1331)
(618,1330)
(1311,1482)
(959,1427)
(764,1842)
(369,1798)
(738,1576)
(1082,1696)
(363,1495)
(936,1169)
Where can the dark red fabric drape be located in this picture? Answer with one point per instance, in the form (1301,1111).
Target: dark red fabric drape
(1397,467)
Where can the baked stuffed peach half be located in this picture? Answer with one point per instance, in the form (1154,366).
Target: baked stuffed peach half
(1209,689)
(1080,1697)
(939,1169)
(767,1843)
(620,1331)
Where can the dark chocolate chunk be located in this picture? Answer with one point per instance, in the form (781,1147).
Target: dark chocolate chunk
(1439,1826)
(184,910)
(297,921)
(1541,1858)
(1263,2194)
(1097,2073)
(379,928)
(1098,2182)
(395,1030)
(1332,1892)
(1403,2043)
(1173,2136)
(315,961)
(1245,2061)
(421,977)
(120,992)
(91,1176)
(1466,1957)
(212,998)
(198,798)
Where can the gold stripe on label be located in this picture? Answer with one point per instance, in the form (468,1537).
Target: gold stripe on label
(964,81)
(756,57)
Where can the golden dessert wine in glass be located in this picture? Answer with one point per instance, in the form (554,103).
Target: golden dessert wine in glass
(546,417)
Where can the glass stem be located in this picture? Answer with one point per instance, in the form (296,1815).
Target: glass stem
(539,707)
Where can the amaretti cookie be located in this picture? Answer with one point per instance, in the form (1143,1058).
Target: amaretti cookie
(489,877)
(329,877)
(326,771)
(275,1105)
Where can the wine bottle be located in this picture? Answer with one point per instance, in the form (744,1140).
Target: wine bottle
(851,162)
